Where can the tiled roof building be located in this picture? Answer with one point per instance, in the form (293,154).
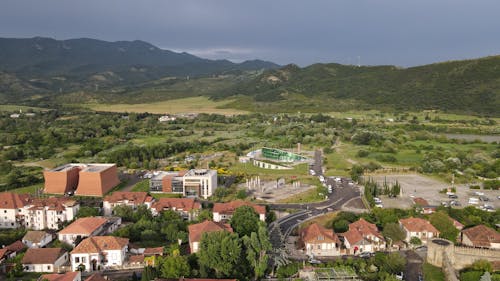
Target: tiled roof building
(44,259)
(196,232)
(319,241)
(99,252)
(420,228)
(128,198)
(188,208)
(224,211)
(363,236)
(481,236)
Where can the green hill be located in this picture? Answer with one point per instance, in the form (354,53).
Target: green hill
(469,86)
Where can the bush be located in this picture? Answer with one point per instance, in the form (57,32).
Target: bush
(362,153)
(493,184)
(474,187)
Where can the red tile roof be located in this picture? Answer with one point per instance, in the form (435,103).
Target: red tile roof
(316,233)
(52,203)
(420,201)
(197,230)
(153,251)
(418,225)
(97,244)
(230,207)
(132,197)
(185,204)
(68,276)
(361,229)
(481,235)
(457,224)
(84,226)
(42,255)
(4,252)
(11,200)
(136,259)
(16,246)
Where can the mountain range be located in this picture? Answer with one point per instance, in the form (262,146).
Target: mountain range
(43,71)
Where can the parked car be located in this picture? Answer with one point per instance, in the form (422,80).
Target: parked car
(484,198)
(478,193)
(473,201)
(314,261)
(377,200)
(452,196)
(365,255)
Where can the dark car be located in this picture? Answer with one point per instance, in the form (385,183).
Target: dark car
(453,196)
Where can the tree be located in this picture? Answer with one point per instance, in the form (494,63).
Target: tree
(174,267)
(148,274)
(356,172)
(220,252)
(340,226)
(393,232)
(256,247)
(415,241)
(245,221)
(124,211)
(87,212)
(442,222)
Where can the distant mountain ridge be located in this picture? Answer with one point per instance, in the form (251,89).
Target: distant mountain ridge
(49,64)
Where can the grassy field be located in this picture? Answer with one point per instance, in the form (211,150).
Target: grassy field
(309,196)
(432,273)
(12,108)
(141,186)
(186,105)
(28,189)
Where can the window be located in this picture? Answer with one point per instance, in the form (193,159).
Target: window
(319,246)
(83,259)
(5,211)
(48,267)
(321,237)
(77,259)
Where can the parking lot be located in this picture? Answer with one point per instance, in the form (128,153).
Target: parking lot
(415,185)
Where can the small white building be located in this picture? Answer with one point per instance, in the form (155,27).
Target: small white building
(87,227)
(98,253)
(319,241)
(12,209)
(44,259)
(37,239)
(224,211)
(420,228)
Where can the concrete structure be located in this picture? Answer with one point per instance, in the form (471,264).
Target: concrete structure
(187,208)
(481,236)
(196,232)
(224,211)
(441,251)
(87,227)
(49,213)
(192,183)
(420,228)
(85,179)
(12,209)
(99,252)
(44,260)
(200,183)
(132,199)
(37,239)
(168,182)
(363,236)
(319,241)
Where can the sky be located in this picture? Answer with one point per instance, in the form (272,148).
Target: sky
(369,32)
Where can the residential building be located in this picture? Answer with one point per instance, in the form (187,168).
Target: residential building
(196,232)
(37,239)
(131,199)
(49,213)
(188,208)
(99,252)
(12,209)
(68,276)
(168,182)
(85,179)
(87,227)
(11,250)
(481,236)
(363,236)
(44,259)
(319,241)
(224,211)
(417,227)
(200,183)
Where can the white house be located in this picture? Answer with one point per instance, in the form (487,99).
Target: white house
(44,259)
(224,211)
(49,213)
(131,199)
(86,227)
(196,232)
(36,239)
(12,209)
(417,227)
(481,236)
(99,252)
(363,236)
(319,241)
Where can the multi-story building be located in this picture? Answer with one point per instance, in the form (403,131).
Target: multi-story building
(99,252)
(132,199)
(196,232)
(420,228)
(363,236)
(87,227)
(49,213)
(85,179)
(188,208)
(224,211)
(319,241)
(192,183)
(12,209)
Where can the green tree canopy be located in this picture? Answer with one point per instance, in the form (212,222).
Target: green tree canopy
(442,222)
(256,247)
(393,232)
(87,212)
(245,221)
(174,267)
(220,254)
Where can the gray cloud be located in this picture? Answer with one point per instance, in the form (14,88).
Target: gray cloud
(304,32)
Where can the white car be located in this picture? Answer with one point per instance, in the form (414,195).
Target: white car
(377,200)
(400,276)
(473,201)
(479,193)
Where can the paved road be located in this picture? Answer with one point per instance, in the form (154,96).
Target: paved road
(342,191)
(413,266)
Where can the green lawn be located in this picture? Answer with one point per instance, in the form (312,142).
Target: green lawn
(141,186)
(432,273)
(165,195)
(28,189)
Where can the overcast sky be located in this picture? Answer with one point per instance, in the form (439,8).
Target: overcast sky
(398,32)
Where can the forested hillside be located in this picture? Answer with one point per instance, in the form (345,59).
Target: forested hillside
(471,86)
